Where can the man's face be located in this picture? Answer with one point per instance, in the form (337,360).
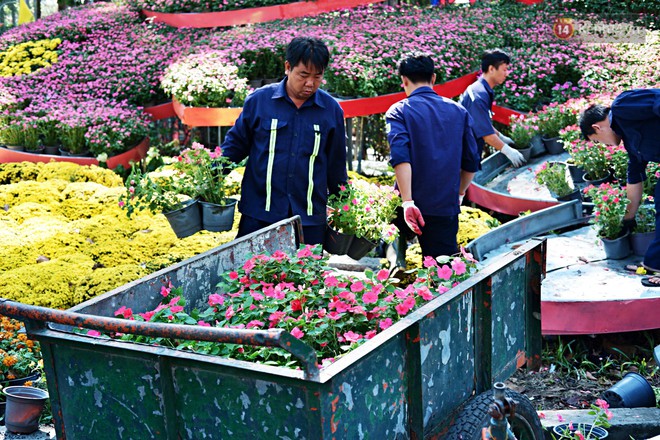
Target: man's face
(499,74)
(604,133)
(303,81)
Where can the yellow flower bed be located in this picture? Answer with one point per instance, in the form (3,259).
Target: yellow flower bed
(64,239)
(28,57)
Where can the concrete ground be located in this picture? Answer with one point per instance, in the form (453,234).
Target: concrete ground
(627,423)
(44,433)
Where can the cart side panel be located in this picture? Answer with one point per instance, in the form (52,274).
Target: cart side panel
(509,310)
(104,393)
(447,359)
(221,403)
(198,276)
(368,398)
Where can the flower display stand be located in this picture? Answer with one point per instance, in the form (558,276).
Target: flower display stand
(133,155)
(252,15)
(160,111)
(206,116)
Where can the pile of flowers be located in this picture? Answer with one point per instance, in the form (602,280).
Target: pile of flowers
(610,202)
(298,292)
(28,57)
(19,356)
(365,210)
(555,177)
(205,80)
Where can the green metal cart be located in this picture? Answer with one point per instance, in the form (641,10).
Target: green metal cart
(421,378)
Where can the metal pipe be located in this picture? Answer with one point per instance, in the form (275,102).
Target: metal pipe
(262,338)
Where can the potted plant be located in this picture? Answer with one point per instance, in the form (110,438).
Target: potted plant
(365,211)
(207,172)
(31,139)
(20,358)
(50,137)
(12,136)
(552,119)
(522,133)
(74,141)
(205,80)
(586,431)
(610,202)
(555,177)
(644,231)
(591,157)
(163,191)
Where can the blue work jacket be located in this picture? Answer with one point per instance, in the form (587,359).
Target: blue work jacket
(635,117)
(295,154)
(433,134)
(478,101)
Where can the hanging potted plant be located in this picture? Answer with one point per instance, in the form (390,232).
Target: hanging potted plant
(555,177)
(610,202)
(207,172)
(163,191)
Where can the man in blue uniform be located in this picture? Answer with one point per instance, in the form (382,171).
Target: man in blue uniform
(478,101)
(294,136)
(633,118)
(434,155)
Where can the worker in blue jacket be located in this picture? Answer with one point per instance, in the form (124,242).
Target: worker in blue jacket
(634,118)
(478,100)
(434,154)
(294,136)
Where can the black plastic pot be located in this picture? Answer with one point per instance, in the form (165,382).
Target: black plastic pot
(633,391)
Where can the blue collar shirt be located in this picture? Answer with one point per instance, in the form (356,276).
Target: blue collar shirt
(433,134)
(295,155)
(635,117)
(478,101)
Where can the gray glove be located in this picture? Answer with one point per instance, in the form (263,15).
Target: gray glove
(507,140)
(514,156)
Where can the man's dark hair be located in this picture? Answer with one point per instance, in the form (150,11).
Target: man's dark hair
(309,50)
(592,115)
(417,67)
(495,58)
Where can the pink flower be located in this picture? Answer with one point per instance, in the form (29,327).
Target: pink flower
(255,323)
(370,297)
(229,313)
(357,287)
(124,312)
(560,418)
(370,334)
(216,300)
(297,333)
(385,323)
(93,333)
(331,281)
(147,315)
(203,324)
(351,336)
(233,275)
(176,309)
(383,274)
(425,293)
(164,291)
(429,262)
(445,272)
(459,266)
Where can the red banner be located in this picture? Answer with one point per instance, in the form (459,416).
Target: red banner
(253,15)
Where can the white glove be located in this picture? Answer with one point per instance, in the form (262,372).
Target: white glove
(514,156)
(413,217)
(460,199)
(506,139)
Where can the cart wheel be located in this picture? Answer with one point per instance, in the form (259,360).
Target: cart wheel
(474,417)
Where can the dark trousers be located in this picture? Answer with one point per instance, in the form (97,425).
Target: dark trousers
(652,257)
(311,234)
(438,234)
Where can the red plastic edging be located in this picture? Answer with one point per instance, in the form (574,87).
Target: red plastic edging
(530,2)
(160,111)
(252,15)
(206,116)
(133,155)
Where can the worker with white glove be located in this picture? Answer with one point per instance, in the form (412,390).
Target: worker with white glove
(434,154)
(478,101)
